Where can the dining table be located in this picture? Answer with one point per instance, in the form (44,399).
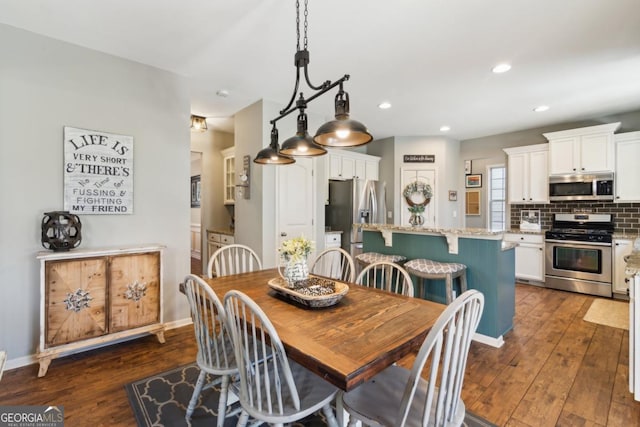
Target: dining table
(346,343)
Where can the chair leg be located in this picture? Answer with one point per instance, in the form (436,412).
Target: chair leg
(196,393)
(331,417)
(242,420)
(463,281)
(449,290)
(222,402)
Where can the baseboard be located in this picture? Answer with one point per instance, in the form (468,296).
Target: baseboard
(31,359)
(490,341)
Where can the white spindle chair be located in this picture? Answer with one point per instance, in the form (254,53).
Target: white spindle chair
(233,259)
(216,354)
(278,390)
(334,263)
(387,276)
(399,397)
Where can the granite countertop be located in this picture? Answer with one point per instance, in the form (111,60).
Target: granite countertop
(518,231)
(333,232)
(226,231)
(624,236)
(460,232)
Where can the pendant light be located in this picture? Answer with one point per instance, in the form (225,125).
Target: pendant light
(198,123)
(301,144)
(342,132)
(271,155)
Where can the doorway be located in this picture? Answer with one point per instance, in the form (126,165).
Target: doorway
(195,191)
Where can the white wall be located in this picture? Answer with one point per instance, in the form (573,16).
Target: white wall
(44,85)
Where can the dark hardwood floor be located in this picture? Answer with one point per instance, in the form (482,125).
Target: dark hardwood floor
(554,369)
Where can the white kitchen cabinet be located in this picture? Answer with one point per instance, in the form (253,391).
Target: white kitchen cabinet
(228,177)
(627,181)
(527,176)
(332,240)
(217,240)
(583,150)
(345,165)
(621,248)
(529,255)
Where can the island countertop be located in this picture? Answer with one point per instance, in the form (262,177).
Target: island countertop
(471,233)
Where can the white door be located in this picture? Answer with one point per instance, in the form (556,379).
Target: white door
(428,176)
(295,201)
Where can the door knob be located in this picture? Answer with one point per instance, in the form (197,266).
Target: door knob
(283,233)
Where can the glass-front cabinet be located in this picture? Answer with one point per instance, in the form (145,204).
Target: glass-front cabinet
(229,171)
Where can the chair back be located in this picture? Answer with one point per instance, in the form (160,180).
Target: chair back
(266,382)
(387,276)
(334,263)
(233,259)
(446,347)
(215,345)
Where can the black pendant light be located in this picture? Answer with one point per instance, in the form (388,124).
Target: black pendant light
(301,144)
(343,131)
(271,155)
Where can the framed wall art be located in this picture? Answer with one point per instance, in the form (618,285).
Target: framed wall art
(472,202)
(473,181)
(453,195)
(195,191)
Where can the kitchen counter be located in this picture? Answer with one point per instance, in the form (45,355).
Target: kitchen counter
(226,232)
(490,266)
(518,231)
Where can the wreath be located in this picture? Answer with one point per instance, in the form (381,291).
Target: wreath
(420,188)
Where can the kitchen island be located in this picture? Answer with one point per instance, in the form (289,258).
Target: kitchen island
(490,266)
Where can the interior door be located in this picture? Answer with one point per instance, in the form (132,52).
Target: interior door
(428,176)
(295,197)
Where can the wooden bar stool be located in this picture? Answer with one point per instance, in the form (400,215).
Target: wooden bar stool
(367,258)
(429,269)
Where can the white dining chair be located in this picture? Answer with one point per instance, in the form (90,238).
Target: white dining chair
(387,276)
(233,259)
(278,390)
(399,397)
(216,354)
(334,263)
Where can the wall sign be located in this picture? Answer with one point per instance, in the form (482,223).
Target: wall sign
(98,172)
(419,158)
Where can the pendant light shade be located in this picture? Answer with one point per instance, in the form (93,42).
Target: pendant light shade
(271,154)
(343,131)
(301,144)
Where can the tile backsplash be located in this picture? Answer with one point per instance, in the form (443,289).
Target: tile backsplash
(625,215)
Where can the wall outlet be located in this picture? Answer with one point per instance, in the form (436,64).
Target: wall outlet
(389,214)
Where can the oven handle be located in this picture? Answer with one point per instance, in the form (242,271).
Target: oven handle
(573,242)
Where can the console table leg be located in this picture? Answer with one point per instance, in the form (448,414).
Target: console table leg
(160,336)
(44,366)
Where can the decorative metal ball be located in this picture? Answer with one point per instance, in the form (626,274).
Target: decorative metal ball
(61,231)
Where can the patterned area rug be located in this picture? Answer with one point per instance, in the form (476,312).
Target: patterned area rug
(161,400)
(609,313)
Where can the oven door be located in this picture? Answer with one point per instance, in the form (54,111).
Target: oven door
(579,260)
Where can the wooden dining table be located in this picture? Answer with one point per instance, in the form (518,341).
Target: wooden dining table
(346,343)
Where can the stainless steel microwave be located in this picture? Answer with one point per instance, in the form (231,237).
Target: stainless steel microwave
(581,187)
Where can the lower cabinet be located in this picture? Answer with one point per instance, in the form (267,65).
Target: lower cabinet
(217,240)
(621,248)
(92,297)
(529,255)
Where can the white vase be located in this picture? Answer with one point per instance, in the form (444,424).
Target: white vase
(295,271)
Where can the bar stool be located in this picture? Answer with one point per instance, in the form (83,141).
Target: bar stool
(370,257)
(429,269)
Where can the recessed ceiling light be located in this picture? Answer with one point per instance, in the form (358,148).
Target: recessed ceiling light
(541,108)
(501,68)
(223,93)
(445,128)
(384,105)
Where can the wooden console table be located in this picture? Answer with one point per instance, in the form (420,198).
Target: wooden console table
(90,297)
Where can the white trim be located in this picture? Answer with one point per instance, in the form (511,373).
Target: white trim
(490,341)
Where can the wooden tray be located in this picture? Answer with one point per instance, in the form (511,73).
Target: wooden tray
(279,285)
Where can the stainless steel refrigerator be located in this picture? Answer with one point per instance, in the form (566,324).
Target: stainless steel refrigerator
(352,202)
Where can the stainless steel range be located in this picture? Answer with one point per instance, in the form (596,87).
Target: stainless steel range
(578,253)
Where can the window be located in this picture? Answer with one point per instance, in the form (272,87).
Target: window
(497,196)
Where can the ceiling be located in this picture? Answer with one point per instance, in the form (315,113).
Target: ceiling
(430,59)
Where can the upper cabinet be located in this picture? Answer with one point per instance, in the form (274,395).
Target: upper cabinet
(345,165)
(228,178)
(583,150)
(627,170)
(527,174)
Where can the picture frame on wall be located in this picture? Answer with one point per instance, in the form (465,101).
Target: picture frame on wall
(472,202)
(195,191)
(467,167)
(473,181)
(453,195)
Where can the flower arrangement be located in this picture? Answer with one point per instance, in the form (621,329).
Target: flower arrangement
(296,249)
(418,187)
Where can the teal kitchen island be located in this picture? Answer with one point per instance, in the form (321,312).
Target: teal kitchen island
(490,267)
